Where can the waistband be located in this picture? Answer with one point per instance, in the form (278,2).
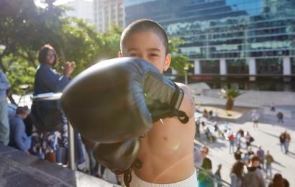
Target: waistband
(191,181)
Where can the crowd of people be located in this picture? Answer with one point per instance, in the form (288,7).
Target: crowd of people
(251,168)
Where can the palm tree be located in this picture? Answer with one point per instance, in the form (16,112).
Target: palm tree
(230,95)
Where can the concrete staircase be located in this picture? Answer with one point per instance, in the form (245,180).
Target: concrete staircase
(18,169)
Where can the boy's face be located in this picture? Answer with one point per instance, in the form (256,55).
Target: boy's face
(149,47)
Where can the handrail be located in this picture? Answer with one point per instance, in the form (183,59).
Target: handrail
(216,179)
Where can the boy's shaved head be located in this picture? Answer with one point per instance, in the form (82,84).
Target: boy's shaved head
(144,25)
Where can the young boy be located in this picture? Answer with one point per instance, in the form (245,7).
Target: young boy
(166,151)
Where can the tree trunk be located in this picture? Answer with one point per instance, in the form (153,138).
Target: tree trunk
(230,103)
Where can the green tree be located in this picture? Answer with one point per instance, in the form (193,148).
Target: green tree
(178,62)
(20,73)
(79,42)
(25,27)
(111,42)
(230,95)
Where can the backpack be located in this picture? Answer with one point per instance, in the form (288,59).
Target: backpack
(251,139)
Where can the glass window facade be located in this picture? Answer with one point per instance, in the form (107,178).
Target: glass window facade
(269,66)
(237,66)
(210,66)
(223,28)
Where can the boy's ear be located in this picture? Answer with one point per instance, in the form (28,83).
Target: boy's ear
(167,62)
(120,54)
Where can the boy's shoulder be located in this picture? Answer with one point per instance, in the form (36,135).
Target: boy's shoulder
(185,87)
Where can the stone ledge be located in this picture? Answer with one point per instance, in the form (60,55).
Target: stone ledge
(18,169)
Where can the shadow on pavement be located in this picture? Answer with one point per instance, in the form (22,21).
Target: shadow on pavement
(278,163)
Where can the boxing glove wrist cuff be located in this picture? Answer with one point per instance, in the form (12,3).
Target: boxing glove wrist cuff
(177,97)
(159,88)
(166,96)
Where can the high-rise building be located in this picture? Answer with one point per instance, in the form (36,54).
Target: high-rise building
(248,44)
(81,9)
(108,12)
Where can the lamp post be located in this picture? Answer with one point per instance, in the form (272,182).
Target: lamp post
(185,75)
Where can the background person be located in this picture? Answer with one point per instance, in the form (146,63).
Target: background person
(280,117)
(18,137)
(254,177)
(236,174)
(4,122)
(277,181)
(287,142)
(282,139)
(45,143)
(268,164)
(255,118)
(204,176)
(260,153)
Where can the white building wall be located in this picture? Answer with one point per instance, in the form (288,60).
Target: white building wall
(223,67)
(252,66)
(107,12)
(197,67)
(81,9)
(287,66)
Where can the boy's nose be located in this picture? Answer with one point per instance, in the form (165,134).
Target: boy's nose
(144,57)
(141,56)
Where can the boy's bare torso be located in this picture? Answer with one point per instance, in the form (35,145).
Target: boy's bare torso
(166,151)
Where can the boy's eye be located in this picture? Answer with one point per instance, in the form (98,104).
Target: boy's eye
(133,54)
(153,55)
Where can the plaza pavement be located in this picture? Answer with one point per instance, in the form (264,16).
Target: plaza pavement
(267,135)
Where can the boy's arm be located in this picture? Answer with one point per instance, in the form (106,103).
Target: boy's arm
(188,104)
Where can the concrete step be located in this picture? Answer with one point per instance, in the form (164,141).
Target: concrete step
(18,169)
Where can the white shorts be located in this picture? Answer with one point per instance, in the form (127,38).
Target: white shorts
(192,181)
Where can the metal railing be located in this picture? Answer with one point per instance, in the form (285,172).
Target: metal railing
(208,179)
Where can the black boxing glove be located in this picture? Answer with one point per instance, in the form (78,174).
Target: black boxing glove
(118,157)
(108,101)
